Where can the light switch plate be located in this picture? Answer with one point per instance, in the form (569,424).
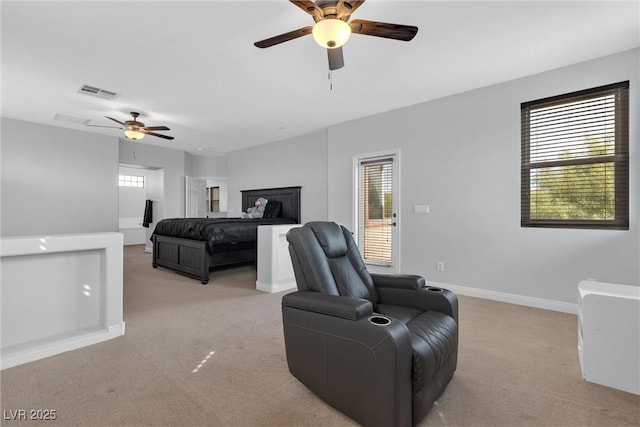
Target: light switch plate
(421,209)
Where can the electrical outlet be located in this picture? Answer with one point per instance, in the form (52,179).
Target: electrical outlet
(440,266)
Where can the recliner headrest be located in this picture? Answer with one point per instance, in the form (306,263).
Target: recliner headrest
(330,237)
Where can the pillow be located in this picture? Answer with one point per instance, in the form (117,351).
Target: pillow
(273,209)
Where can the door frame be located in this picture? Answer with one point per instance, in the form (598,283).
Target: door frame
(394,268)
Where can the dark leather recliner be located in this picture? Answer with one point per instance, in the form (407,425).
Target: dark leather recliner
(379,348)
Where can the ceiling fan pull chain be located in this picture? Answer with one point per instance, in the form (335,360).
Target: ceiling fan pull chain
(330,76)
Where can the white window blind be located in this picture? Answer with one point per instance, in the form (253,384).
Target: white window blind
(375,209)
(575,159)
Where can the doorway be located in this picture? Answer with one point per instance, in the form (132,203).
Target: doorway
(205,197)
(377,210)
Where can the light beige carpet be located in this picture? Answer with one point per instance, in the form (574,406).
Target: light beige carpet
(213,355)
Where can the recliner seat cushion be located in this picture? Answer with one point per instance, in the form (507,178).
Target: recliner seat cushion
(433,340)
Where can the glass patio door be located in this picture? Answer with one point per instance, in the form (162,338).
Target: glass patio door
(377,212)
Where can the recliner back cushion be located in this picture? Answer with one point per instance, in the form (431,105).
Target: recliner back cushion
(310,264)
(330,237)
(349,282)
(347,267)
(353,254)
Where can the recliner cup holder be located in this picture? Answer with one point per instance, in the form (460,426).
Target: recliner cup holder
(434,289)
(379,320)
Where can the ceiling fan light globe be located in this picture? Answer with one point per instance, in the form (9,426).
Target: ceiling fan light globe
(331,33)
(135,135)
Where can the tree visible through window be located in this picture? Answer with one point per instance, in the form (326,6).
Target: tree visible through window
(575,159)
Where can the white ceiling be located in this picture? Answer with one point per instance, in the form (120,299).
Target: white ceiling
(192,65)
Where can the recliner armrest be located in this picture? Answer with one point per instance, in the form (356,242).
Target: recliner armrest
(398,281)
(332,305)
(424,299)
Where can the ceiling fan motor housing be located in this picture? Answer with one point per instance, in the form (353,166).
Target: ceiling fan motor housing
(134,124)
(329,7)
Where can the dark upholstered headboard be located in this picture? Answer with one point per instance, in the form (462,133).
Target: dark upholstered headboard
(289,196)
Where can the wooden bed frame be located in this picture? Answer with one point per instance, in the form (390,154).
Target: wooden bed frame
(192,257)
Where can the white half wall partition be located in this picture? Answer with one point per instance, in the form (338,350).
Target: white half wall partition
(59,293)
(275,270)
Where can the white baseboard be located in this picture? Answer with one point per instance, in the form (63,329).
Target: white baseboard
(275,287)
(51,349)
(545,304)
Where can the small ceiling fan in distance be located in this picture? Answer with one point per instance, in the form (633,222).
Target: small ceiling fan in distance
(332,29)
(135,130)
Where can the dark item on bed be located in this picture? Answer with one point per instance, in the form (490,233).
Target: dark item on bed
(192,246)
(273,209)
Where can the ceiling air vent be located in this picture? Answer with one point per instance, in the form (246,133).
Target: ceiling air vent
(96,91)
(72,119)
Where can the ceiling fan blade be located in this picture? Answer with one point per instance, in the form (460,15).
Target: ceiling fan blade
(157,134)
(336,59)
(310,8)
(383,29)
(283,37)
(100,126)
(347,7)
(117,121)
(156,128)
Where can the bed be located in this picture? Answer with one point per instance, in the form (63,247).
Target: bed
(193,246)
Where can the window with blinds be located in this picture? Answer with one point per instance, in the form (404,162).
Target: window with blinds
(375,209)
(575,159)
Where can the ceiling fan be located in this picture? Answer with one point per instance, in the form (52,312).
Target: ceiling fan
(332,29)
(133,129)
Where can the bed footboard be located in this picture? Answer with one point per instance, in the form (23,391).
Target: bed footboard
(189,257)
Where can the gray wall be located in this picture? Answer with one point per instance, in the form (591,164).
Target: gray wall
(461,156)
(207,166)
(294,162)
(57,180)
